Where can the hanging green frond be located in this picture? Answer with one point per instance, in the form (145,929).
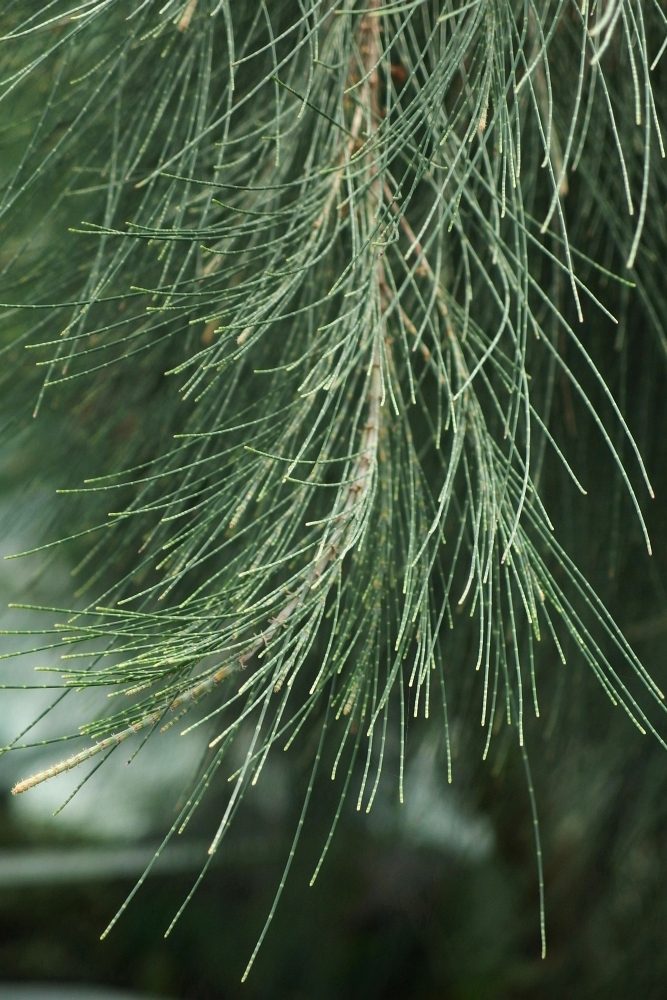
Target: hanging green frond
(319,265)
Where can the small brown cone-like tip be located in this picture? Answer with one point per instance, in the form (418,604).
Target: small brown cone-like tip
(188,13)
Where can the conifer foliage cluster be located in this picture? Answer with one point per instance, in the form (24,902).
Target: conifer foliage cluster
(302,281)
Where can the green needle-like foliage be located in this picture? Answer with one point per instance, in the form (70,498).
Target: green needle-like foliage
(327,260)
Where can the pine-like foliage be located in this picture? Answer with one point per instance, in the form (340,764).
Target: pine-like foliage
(304,275)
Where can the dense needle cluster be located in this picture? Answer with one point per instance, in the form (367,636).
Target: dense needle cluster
(343,232)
